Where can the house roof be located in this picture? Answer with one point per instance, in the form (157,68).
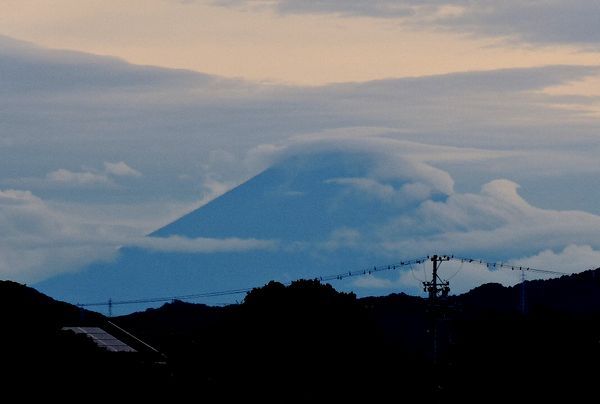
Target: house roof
(102,338)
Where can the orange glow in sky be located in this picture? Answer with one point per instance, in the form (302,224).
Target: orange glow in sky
(259,44)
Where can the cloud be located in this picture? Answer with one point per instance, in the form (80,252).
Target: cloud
(38,241)
(90,177)
(373,282)
(64,176)
(31,70)
(343,237)
(497,223)
(373,8)
(120,169)
(213,189)
(202,245)
(366,185)
(545,22)
(194,136)
(542,22)
(464,276)
(395,159)
(105,109)
(406,194)
(573,258)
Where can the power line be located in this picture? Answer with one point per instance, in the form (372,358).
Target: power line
(502,265)
(371,270)
(324,278)
(169,298)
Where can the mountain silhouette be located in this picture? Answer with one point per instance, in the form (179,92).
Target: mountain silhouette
(309,341)
(40,359)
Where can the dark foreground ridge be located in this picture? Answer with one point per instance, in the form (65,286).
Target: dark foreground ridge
(308,342)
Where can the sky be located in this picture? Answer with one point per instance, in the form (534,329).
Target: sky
(118,117)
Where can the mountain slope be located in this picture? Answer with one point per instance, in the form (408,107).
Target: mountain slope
(310,205)
(303,198)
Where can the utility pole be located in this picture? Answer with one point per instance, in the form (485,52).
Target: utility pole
(436,288)
(523,307)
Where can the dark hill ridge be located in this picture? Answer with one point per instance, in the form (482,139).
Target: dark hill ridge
(309,341)
(29,308)
(40,359)
(307,334)
(577,293)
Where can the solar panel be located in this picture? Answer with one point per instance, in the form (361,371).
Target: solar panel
(102,338)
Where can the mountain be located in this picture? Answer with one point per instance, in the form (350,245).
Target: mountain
(312,206)
(309,215)
(300,199)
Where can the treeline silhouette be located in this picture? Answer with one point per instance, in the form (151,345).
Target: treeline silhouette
(309,342)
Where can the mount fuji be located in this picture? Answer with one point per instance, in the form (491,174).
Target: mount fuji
(313,211)
(320,211)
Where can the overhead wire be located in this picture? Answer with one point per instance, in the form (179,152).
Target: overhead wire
(412,272)
(323,278)
(457,271)
(330,277)
(501,265)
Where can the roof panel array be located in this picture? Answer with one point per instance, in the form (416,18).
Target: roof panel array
(102,338)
